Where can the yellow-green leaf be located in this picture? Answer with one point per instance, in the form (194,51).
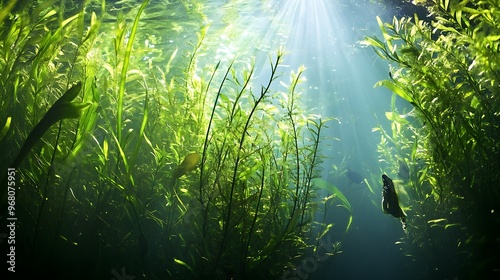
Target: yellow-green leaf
(436,221)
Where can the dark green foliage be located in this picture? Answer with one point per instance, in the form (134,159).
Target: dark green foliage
(449,72)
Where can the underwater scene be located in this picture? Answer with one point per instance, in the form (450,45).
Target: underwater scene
(250,139)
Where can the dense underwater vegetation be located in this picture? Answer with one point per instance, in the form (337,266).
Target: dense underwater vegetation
(139,150)
(449,71)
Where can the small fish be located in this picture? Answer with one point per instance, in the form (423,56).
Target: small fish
(390,202)
(188,164)
(354,176)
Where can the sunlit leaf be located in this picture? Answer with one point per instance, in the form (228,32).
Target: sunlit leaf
(395,88)
(5,128)
(436,221)
(452,225)
(183,264)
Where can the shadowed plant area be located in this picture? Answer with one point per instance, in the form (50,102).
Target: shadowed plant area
(137,156)
(446,150)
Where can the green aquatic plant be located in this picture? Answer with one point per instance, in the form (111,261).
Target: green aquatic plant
(344,181)
(5,10)
(48,99)
(448,71)
(5,128)
(336,196)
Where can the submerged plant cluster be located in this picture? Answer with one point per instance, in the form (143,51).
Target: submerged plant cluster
(160,168)
(446,150)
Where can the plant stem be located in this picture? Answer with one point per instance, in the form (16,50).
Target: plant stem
(227,219)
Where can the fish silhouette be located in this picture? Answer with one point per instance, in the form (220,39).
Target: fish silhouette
(390,202)
(188,164)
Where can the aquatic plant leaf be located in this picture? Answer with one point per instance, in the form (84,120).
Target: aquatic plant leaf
(172,56)
(68,20)
(247,172)
(123,75)
(140,136)
(469,239)
(436,221)
(349,223)
(122,154)
(374,42)
(445,4)
(322,184)
(395,117)
(414,148)
(381,25)
(368,185)
(5,10)
(105,149)
(5,128)
(325,230)
(70,94)
(48,15)
(69,110)
(396,89)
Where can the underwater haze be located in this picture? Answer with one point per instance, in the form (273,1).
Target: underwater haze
(250,139)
